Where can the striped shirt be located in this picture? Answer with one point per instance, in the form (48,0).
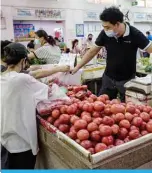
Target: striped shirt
(51,54)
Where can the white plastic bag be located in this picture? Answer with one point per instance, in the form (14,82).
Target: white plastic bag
(56,93)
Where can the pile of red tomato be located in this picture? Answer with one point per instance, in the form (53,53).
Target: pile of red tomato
(97,124)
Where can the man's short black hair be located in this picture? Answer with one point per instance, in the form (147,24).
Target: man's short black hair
(148,33)
(90,35)
(112,15)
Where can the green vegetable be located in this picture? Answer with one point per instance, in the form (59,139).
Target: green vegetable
(148,68)
(37,61)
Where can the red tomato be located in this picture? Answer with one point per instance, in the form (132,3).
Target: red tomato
(72,109)
(84,87)
(131,109)
(106,96)
(87,118)
(87,107)
(107,121)
(96,114)
(108,140)
(137,111)
(55,113)
(125,124)
(100,147)
(134,134)
(86,144)
(145,116)
(98,106)
(129,116)
(115,101)
(95,136)
(83,134)
(134,128)
(80,105)
(149,127)
(123,132)
(80,124)
(64,128)
(72,135)
(94,97)
(126,139)
(92,127)
(144,132)
(147,109)
(72,129)
(105,130)
(101,99)
(137,121)
(117,108)
(74,118)
(76,89)
(50,120)
(119,142)
(98,120)
(91,150)
(115,129)
(78,141)
(90,100)
(107,111)
(118,117)
(143,126)
(85,113)
(57,123)
(64,118)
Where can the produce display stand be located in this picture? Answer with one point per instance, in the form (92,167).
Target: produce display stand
(58,151)
(92,77)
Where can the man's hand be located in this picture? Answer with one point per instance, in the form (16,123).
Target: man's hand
(74,70)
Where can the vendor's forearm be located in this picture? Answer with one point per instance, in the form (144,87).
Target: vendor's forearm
(44,73)
(88,56)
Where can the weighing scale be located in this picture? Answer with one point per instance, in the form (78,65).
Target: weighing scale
(143,85)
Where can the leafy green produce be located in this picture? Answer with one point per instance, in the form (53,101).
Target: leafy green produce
(144,61)
(37,61)
(148,68)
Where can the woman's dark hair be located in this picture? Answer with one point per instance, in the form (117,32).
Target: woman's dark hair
(31,44)
(67,50)
(14,52)
(148,33)
(3,45)
(112,15)
(90,35)
(48,39)
(74,42)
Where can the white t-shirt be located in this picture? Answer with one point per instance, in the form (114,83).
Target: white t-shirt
(52,54)
(19,97)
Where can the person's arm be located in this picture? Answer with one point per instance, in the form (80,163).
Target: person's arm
(149,49)
(41,73)
(87,57)
(141,41)
(91,52)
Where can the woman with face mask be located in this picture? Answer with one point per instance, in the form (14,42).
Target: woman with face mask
(47,48)
(87,44)
(19,97)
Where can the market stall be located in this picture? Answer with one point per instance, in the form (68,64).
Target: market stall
(72,134)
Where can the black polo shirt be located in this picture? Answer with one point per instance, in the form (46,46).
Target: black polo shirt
(121,52)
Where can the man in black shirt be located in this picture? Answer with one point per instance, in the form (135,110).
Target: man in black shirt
(121,42)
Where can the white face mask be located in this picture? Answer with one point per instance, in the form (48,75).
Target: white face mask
(37,41)
(110,33)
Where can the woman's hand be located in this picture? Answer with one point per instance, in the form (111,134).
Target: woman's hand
(64,68)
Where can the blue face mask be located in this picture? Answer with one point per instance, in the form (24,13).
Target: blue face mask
(111,33)
(37,41)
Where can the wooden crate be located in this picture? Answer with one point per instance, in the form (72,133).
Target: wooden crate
(60,152)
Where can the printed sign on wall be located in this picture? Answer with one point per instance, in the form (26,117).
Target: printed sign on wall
(79,30)
(24,30)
